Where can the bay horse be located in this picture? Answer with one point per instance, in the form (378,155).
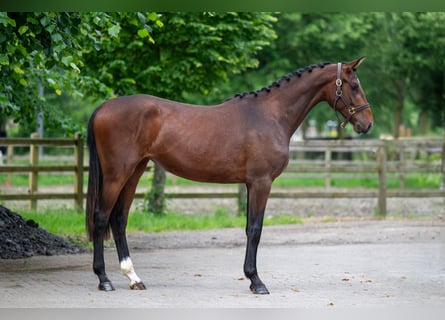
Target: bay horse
(244,140)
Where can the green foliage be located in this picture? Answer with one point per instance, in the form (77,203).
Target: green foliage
(35,47)
(100,55)
(427,42)
(186,55)
(190,52)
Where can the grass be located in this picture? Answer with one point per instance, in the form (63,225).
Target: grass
(338,180)
(72,224)
(351,181)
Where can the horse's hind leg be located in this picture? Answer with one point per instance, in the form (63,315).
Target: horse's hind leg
(118,222)
(101,221)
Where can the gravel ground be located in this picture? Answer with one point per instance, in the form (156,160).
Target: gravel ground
(371,264)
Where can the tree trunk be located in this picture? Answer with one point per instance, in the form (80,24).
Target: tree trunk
(156,199)
(242,199)
(442,184)
(399,84)
(423,122)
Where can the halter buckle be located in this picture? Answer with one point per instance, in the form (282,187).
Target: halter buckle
(352,110)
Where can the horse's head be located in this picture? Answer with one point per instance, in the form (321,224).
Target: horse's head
(348,98)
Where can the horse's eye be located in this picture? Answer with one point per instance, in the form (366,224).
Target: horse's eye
(354,87)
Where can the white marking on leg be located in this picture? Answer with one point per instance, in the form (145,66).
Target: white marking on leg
(127,270)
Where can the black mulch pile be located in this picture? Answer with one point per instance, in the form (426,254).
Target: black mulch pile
(20,238)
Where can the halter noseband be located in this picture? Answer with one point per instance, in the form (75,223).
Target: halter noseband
(339,96)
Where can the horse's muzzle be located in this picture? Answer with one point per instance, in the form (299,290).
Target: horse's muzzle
(361,128)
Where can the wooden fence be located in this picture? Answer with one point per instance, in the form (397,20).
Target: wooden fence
(34,168)
(380,157)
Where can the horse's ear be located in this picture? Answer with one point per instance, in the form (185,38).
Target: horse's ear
(356,63)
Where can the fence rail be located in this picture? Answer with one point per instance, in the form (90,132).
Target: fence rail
(381,157)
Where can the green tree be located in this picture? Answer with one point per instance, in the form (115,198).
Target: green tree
(390,71)
(45,49)
(191,52)
(406,50)
(427,44)
(33,49)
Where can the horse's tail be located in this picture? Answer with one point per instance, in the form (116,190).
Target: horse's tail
(95,179)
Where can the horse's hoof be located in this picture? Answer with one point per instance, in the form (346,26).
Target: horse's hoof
(106,286)
(138,286)
(259,290)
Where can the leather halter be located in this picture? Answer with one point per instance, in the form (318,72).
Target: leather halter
(339,96)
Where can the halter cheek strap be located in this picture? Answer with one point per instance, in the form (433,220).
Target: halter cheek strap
(339,96)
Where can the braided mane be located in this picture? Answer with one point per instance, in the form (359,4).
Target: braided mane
(276,84)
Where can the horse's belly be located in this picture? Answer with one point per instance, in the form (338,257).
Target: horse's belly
(204,169)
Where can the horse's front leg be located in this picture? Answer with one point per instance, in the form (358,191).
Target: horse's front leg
(257,195)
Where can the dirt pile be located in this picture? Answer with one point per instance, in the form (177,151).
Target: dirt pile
(20,238)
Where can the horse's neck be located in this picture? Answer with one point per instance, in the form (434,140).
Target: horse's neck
(296,98)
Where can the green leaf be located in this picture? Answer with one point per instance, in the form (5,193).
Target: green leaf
(4,60)
(50,28)
(141,17)
(23,29)
(5,20)
(45,20)
(56,37)
(153,16)
(143,33)
(18,70)
(74,66)
(67,60)
(32,20)
(23,82)
(51,81)
(114,30)
(3,99)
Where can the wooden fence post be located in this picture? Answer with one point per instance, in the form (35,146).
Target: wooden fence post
(382,158)
(33,175)
(78,181)
(9,159)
